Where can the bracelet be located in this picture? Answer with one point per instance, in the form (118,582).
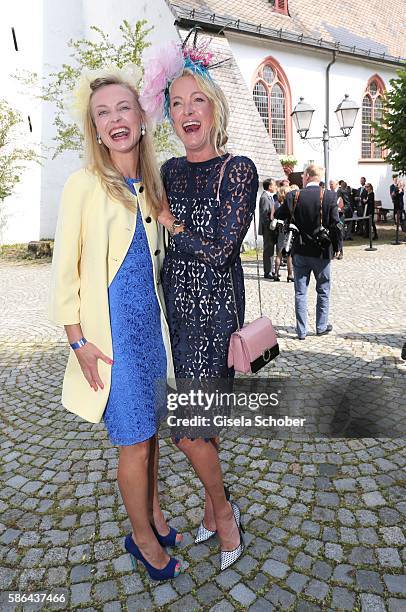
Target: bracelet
(78,344)
(173,227)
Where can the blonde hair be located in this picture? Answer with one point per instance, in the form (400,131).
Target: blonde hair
(283,192)
(221,111)
(99,160)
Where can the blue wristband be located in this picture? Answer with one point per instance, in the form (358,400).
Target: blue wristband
(78,344)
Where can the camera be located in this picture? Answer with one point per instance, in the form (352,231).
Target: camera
(321,237)
(276,224)
(291,235)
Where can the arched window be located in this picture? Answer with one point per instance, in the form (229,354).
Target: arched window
(272,98)
(371,111)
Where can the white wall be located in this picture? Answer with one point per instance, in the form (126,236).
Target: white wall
(67,19)
(43,29)
(22,209)
(305,70)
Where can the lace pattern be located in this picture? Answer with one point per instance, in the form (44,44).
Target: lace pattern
(196,282)
(137,394)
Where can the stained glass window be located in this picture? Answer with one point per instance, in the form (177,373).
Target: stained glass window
(270,98)
(278,118)
(366,127)
(371,111)
(268,74)
(261,101)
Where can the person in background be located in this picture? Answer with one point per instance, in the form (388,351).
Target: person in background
(312,210)
(282,193)
(394,194)
(360,194)
(369,202)
(268,203)
(402,204)
(336,188)
(346,210)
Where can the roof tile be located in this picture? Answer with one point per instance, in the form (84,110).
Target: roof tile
(367,24)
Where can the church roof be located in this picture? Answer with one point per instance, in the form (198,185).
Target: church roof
(366,27)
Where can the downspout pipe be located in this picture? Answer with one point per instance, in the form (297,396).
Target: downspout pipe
(326,131)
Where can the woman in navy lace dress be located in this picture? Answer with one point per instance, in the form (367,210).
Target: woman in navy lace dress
(196,272)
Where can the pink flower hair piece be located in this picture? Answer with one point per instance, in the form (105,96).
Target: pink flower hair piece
(165,65)
(160,69)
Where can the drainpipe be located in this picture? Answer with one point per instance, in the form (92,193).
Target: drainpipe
(326,130)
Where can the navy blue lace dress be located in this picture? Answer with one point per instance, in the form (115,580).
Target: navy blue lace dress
(196,281)
(137,395)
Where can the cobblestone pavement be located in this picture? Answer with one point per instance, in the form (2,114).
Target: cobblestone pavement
(324,518)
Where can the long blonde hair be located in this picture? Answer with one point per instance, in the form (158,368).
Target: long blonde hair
(283,192)
(221,112)
(99,160)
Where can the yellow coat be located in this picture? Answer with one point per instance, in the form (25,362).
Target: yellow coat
(93,235)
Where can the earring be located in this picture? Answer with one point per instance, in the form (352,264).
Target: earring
(98,138)
(143,130)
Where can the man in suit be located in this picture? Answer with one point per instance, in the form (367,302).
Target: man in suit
(395,196)
(360,207)
(309,209)
(267,205)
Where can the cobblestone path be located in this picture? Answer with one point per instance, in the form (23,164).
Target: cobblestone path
(324,518)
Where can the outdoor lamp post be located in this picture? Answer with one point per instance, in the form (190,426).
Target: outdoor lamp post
(346,113)
(302,117)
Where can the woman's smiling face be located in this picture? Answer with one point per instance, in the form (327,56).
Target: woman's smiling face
(117,117)
(192,115)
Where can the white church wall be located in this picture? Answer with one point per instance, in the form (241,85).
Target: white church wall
(64,20)
(305,70)
(43,30)
(20,212)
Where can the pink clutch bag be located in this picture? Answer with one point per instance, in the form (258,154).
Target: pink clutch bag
(253,346)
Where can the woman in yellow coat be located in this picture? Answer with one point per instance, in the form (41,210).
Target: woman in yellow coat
(106,292)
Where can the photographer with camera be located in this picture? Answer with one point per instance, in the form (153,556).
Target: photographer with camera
(313,211)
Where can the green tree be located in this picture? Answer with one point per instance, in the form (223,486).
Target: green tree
(13,157)
(390,132)
(94,54)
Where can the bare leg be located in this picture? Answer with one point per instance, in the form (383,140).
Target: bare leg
(156,516)
(205,460)
(277,263)
(133,482)
(209,520)
(290,267)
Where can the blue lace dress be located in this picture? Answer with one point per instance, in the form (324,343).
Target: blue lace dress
(137,393)
(195,275)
